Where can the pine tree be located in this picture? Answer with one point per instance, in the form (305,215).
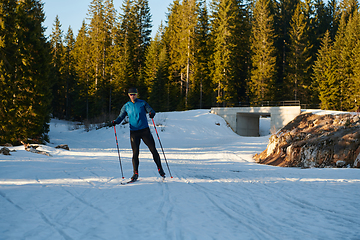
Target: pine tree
(2,46)
(347,61)
(180,38)
(345,41)
(299,78)
(69,72)
(143,23)
(59,82)
(223,26)
(36,70)
(132,40)
(102,16)
(263,53)
(354,93)
(283,12)
(110,28)
(202,92)
(230,67)
(324,19)
(151,69)
(188,33)
(240,56)
(171,39)
(97,48)
(82,67)
(156,73)
(325,80)
(26,100)
(334,15)
(8,51)
(126,42)
(321,23)
(356,65)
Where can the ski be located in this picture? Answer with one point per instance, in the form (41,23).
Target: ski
(131,181)
(163,179)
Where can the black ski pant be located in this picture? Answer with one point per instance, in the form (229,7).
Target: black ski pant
(146,136)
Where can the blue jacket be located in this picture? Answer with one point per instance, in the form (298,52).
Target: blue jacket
(137,114)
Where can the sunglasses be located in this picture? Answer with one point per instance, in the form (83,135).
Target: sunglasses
(132,94)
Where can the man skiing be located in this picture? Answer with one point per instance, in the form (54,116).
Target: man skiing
(136,110)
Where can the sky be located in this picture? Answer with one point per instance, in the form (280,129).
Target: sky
(73,12)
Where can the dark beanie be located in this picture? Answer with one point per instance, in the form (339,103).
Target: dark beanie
(132,90)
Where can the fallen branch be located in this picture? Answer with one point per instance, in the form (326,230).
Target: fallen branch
(32,148)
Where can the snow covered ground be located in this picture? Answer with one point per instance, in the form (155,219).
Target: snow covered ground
(218,191)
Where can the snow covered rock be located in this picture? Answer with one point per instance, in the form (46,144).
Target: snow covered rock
(5,151)
(33,148)
(312,140)
(63,146)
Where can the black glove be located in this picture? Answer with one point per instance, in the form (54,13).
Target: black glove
(111,124)
(151,114)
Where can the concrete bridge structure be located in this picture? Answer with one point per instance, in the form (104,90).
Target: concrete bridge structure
(245,120)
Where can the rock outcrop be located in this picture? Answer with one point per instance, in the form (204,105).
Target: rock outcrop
(312,140)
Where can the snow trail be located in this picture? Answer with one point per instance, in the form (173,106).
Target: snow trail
(218,191)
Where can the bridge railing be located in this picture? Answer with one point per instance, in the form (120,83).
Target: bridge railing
(260,104)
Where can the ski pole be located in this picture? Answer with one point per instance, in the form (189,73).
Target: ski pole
(162,148)
(117,144)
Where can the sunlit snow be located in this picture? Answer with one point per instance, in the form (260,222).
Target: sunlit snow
(217,190)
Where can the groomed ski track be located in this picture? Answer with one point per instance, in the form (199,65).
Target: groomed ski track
(217,192)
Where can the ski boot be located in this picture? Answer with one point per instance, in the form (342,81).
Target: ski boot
(135,177)
(161,172)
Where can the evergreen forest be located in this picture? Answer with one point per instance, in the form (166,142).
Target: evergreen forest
(206,53)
